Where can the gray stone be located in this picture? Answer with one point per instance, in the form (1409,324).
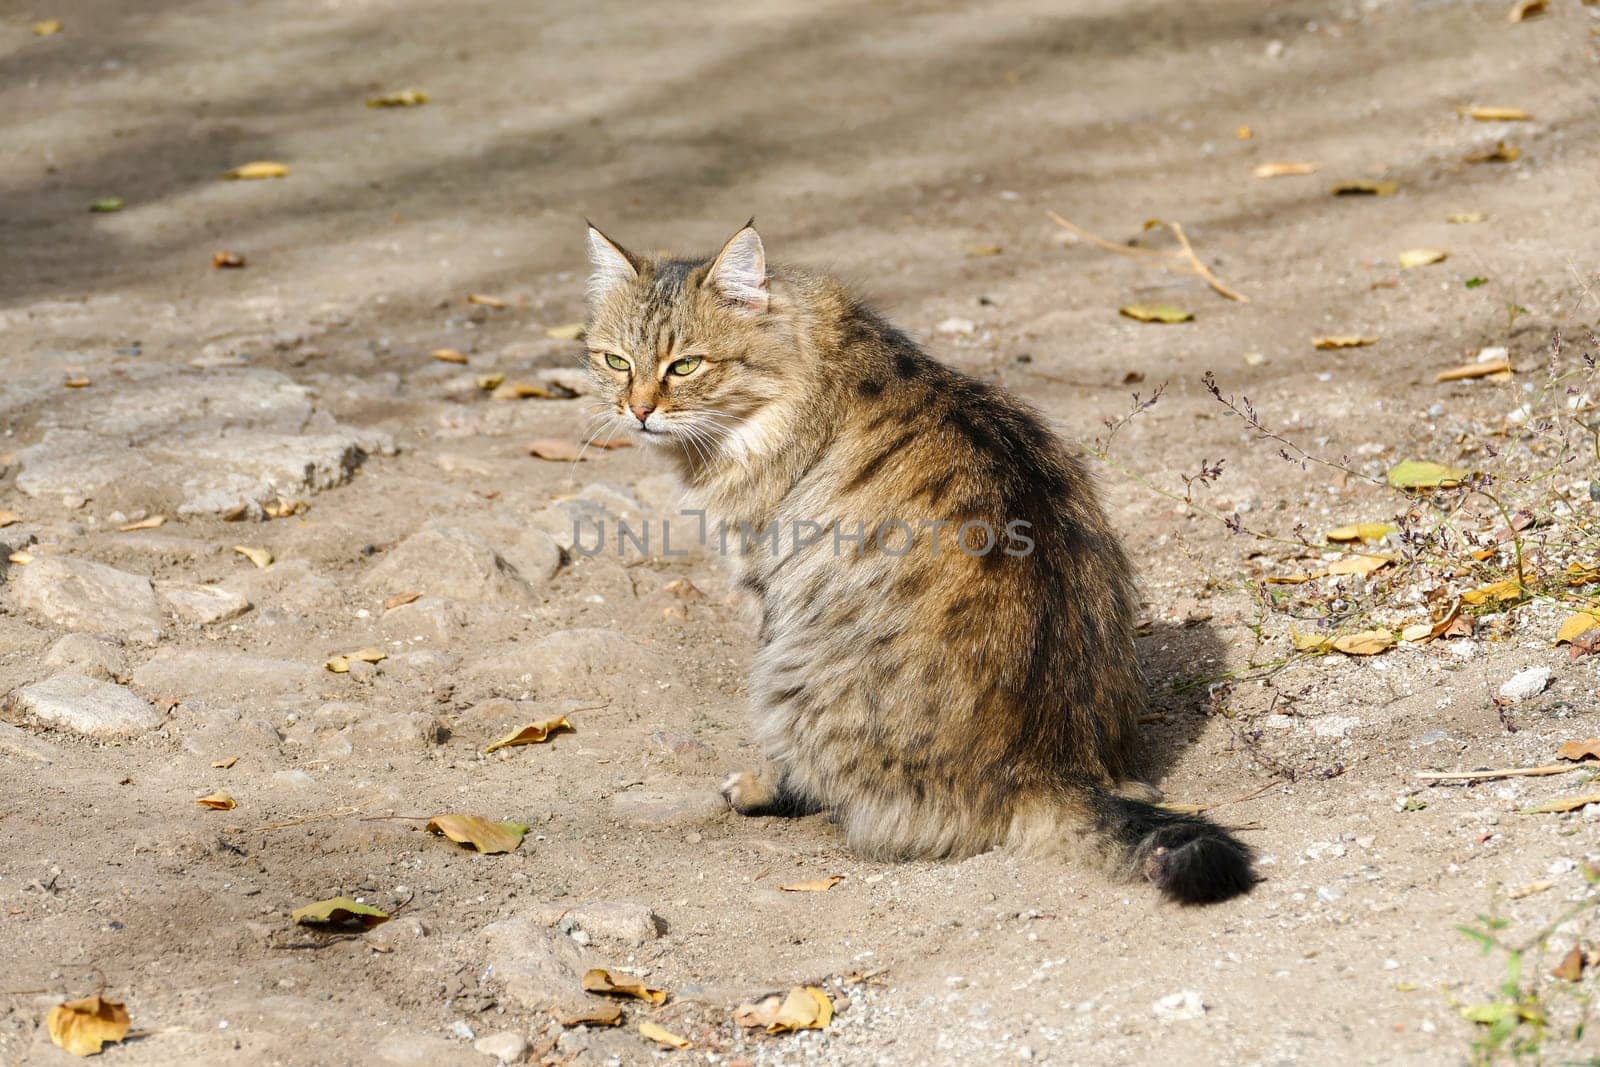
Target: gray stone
(451,563)
(1179,1007)
(430,618)
(507,1046)
(539,967)
(204,604)
(400,731)
(633,924)
(668,806)
(224,442)
(218,676)
(534,554)
(596,664)
(86,706)
(83,595)
(1527,684)
(85,654)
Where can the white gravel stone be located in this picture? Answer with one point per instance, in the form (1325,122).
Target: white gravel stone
(957,326)
(1334,726)
(204,604)
(1179,1007)
(505,1046)
(1527,684)
(86,706)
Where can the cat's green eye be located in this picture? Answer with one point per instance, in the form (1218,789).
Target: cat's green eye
(616,362)
(684,366)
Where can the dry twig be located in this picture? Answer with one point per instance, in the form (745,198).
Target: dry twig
(1189,261)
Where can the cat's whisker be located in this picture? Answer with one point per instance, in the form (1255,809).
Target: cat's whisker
(572,471)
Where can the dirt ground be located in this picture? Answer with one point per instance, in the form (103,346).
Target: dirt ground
(915,148)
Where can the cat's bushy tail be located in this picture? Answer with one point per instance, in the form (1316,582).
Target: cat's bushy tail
(1190,859)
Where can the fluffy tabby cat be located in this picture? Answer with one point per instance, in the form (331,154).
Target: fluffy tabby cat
(937,700)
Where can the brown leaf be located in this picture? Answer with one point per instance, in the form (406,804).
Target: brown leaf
(600,980)
(8,518)
(684,589)
(1584,645)
(398,599)
(662,1036)
(1500,153)
(484,300)
(482,834)
(143,524)
(1284,170)
(815,885)
(1487,369)
(1578,751)
(77,382)
(83,1026)
(532,734)
(979,251)
(218,801)
(1570,969)
(553,448)
(1343,341)
(225,764)
(603,1013)
(256,171)
(448,355)
(261,557)
(1365,188)
(283,507)
(1525,9)
(1495,114)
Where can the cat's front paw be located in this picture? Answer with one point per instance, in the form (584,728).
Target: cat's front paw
(746,793)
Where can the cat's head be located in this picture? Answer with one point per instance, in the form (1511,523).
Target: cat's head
(687,353)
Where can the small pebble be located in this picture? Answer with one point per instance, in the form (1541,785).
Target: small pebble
(1527,684)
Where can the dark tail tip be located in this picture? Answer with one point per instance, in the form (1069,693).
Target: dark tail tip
(1190,859)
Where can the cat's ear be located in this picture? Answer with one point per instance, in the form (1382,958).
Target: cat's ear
(739,273)
(612,265)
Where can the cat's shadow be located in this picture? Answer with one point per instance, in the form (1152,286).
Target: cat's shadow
(1180,661)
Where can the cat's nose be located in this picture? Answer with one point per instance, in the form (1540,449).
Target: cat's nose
(641,411)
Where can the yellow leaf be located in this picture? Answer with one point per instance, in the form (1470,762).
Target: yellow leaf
(1422,474)
(1497,593)
(484,300)
(1365,188)
(815,885)
(401,98)
(1578,751)
(143,524)
(1358,564)
(1489,368)
(339,910)
(1556,807)
(448,355)
(83,1026)
(1575,625)
(218,801)
(520,391)
(1570,969)
(567,331)
(663,1036)
(1283,170)
(979,251)
(1343,341)
(341,664)
(1362,531)
(1366,643)
(46,27)
(553,448)
(1525,9)
(532,734)
(78,382)
(21,559)
(1419,631)
(256,171)
(1466,218)
(600,980)
(1293,579)
(1155,313)
(8,518)
(485,836)
(224,764)
(1244,133)
(1495,114)
(261,557)
(1500,153)
(805,1008)
(604,1014)
(1309,642)
(398,599)
(1422,257)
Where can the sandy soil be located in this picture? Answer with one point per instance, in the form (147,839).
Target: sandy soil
(895,146)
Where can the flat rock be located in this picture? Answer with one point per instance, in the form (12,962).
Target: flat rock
(668,806)
(88,655)
(224,441)
(586,664)
(633,924)
(86,705)
(540,968)
(1527,684)
(83,595)
(450,563)
(204,604)
(218,676)
(507,1046)
(430,619)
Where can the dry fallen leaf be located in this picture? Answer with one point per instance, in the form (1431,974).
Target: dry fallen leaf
(1495,114)
(1489,368)
(1466,218)
(46,27)
(1366,643)
(107,205)
(815,885)
(1283,170)
(224,764)
(1343,341)
(143,524)
(567,331)
(1570,969)
(1525,9)
(341,664)
(604,1013)
(257,171)
(1447,625)
(1528,890)
(1155,313)
(259,556)
(482,834)
(662,1036)
(1575,625)
(600,980)
(218,801)
(1309,642)
(1358,564)
(398,599)
(1500,153)
(805,1008)
(1422,257)
(1423,474)
(226,260)
(1244,133)
(7,518)
(521,390)
(448,355)
(77,382)
(554,448)
(1578,751)
(399,98)
(338,911)
(1495,593)
(1565,804)
(979,251)
(83,1026)
(1365,188)
(487,382)
(484,300)
(532,734)
(1362,531)
(21,559)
